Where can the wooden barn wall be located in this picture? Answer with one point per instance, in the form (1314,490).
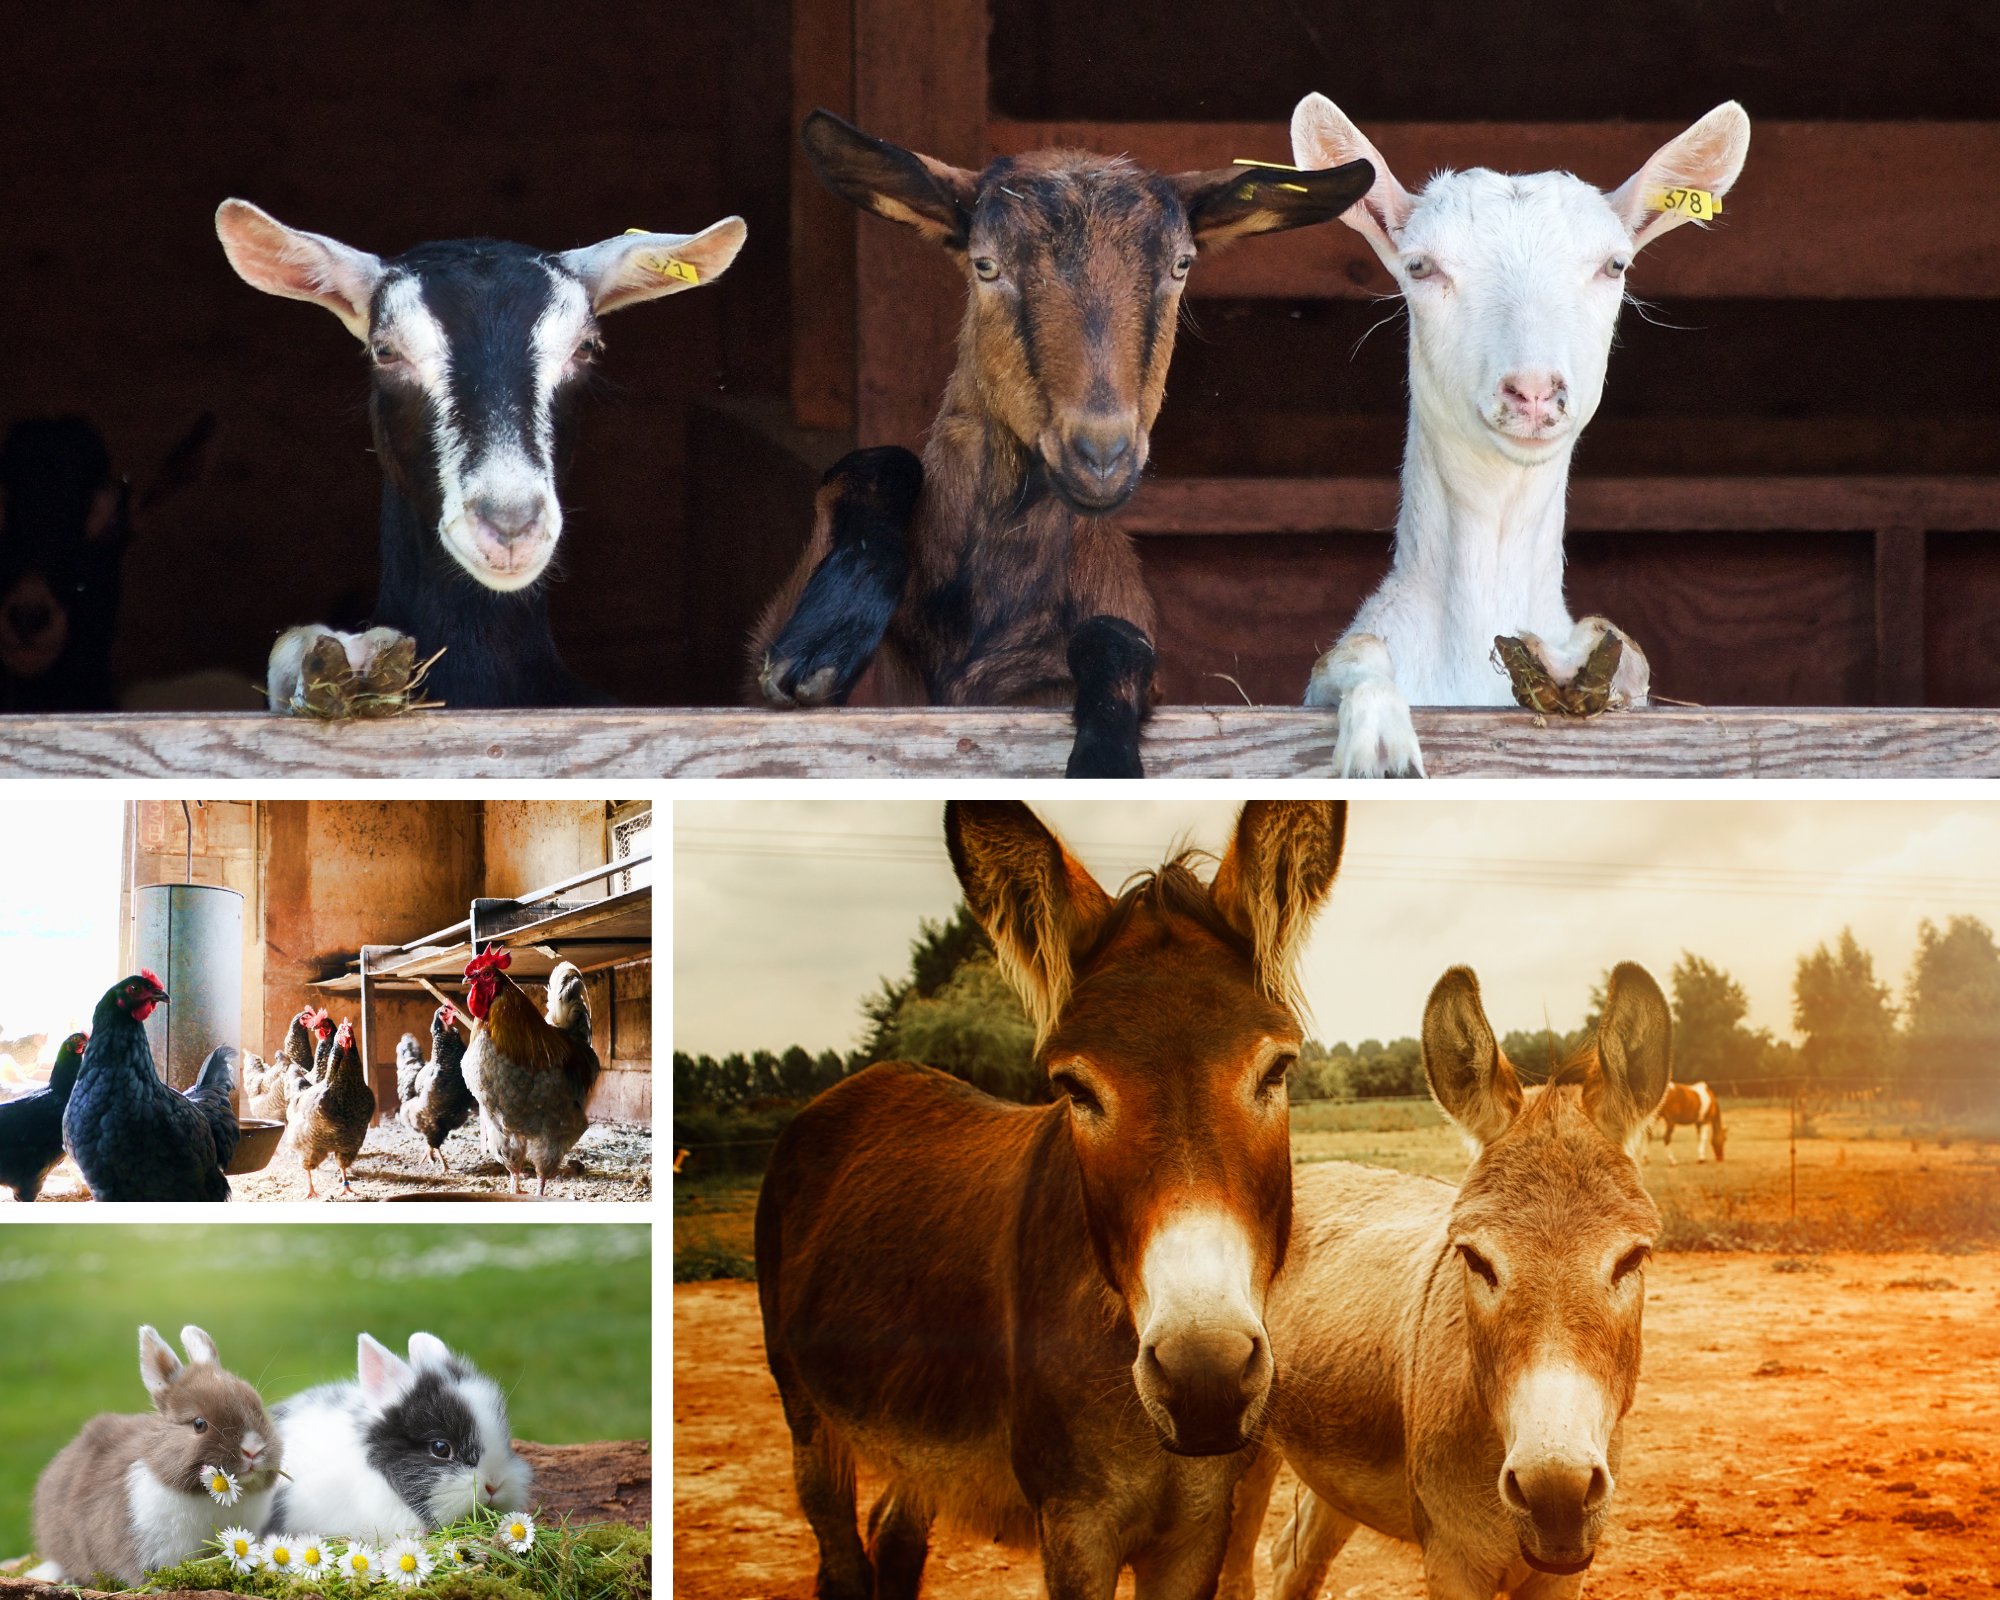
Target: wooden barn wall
(533,843)
(621,1014)
(225,844)
(339,874)
(384,125)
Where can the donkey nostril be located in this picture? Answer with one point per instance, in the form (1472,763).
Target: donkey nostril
(1600,1487)
(1510,1490)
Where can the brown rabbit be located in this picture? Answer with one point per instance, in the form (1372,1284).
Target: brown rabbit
(129,1494)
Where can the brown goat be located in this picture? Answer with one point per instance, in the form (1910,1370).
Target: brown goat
(987,574)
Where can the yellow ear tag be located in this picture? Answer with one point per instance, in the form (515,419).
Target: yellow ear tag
(1275,166)
(630,231)
(668,267)
(1698,204)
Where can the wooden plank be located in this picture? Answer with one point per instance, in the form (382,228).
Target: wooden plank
(1899,616)
(823,261)
(920,81)
(987,744)
(1600,505)
(1824,210)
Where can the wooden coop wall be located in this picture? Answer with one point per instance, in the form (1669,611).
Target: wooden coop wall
(1838,325)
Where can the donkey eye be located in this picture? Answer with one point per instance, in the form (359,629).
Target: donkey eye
(986,268)
(1181,265)
(1479,1264)
(1630,1262)
(1274,1079)
(1067,1083)
(1419,267)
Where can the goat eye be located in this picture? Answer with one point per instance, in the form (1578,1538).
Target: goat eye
(1479,1264)
(1615,267)
(986,268)
(383,352)
(1066,1083)
(1419,267)
(590,349)
(201,1424)
(1181,265)
(441,1448)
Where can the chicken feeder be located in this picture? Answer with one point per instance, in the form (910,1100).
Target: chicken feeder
(190,935)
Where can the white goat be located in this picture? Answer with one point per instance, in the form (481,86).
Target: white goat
(1513,286)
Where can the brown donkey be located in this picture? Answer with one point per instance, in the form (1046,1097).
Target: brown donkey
(1046,1322)
(1454,1365)
(987,575)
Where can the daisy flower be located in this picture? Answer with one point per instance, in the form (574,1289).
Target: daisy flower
(241,1547)
(281,1555)
(310,1556)
(517,1532)
(360,1566)
(222,1488)
(452,1553)
(406,1562)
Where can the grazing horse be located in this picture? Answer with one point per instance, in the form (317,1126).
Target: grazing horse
(1691,1105)
(987,574)
(1046,1322)
(1454,1365)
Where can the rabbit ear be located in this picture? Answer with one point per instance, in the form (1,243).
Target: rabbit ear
(384,1374)
(199,1346)
(158,1365)
(428,1350)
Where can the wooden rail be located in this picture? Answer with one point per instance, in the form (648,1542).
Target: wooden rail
(987,745)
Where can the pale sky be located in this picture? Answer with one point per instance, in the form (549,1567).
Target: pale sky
(787,912)
(60,852)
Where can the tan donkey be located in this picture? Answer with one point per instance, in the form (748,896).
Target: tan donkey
(1454,1365)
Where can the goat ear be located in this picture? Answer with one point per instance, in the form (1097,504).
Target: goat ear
(1323,136)
(890,181)
(640,266)
(286,261)
(1708,156)
(158,1365)
(1231,202)
(1635,1051)
(1037,903)
(1274,878)
(1469,1077)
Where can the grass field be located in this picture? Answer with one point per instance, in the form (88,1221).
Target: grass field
(1872,1177)
(560,1317)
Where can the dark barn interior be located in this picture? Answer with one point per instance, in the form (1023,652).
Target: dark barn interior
(1842,323)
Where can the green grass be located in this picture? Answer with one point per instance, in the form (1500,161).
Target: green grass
(560,1317)
(714,1217)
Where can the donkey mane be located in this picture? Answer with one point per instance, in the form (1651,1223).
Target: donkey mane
(1168,890)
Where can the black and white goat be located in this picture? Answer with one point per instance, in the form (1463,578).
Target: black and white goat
(478,348)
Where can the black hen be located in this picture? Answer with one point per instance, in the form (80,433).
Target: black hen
(436,1101)
(211,1094)
(132,1136)
(31,1140)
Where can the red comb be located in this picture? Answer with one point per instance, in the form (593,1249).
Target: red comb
(489,958)
(151,977)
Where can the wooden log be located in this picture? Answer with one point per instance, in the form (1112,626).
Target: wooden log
(1899,616)
(1824,210)
(1596,505)
(993,743)
(608,1481)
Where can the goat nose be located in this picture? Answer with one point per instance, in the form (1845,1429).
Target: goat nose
(510,521)
(1103,451)
(1537,393)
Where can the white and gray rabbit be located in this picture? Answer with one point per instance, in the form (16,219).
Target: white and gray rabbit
(129,1494)
(406,1447)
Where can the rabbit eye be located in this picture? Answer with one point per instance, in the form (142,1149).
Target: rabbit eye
(201,1424)
(441,1448)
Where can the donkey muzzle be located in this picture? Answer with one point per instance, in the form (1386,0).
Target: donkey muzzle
(1210,1384)
(1559,1506)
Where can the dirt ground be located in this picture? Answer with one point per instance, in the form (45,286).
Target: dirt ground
(612,1161)
(1805,1427)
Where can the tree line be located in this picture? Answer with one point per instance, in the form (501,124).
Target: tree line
(1939,1042)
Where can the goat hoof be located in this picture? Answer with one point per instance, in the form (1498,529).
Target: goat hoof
(1112,663)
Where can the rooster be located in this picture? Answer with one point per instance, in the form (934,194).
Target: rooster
(532,1078)
(434,1099)
(322,1026)
(332,1118)
(31,1141)
(132,1136)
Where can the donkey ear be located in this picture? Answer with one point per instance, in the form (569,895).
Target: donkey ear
(286,261)
(640,266)
(1036,902)
(1469,1077)
(158,1365)
(1232,202)
(1635,1054)
(890,181)
(1708,156)
(1323,136)
(1274,878)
